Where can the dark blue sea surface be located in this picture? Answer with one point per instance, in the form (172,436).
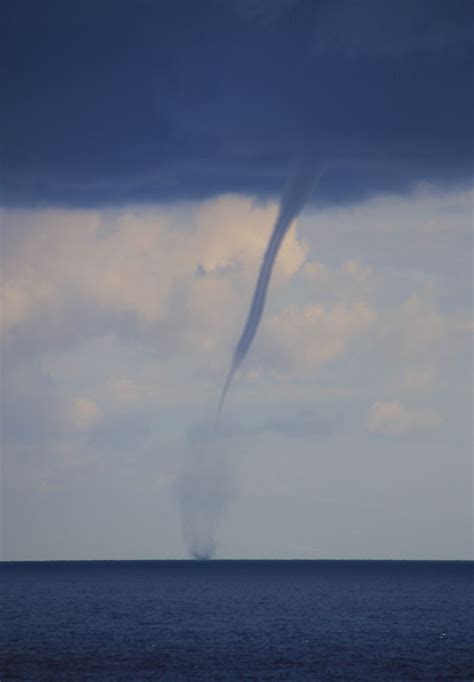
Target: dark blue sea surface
(230,620)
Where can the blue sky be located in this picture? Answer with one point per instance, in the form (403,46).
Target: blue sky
(145,147)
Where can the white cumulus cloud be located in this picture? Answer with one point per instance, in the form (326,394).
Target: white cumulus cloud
(393,418)
(183,270)
(84,413)
(299,340)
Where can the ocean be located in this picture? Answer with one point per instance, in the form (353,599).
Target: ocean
(234,620)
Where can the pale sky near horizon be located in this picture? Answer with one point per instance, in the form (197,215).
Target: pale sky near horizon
(140,185)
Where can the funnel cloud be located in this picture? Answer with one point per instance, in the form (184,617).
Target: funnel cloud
(301,181)
(204,487)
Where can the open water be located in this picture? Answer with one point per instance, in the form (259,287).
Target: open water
(234,620)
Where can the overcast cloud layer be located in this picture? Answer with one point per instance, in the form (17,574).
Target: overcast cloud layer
(112,101)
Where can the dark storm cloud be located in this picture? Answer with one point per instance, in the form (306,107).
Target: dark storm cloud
(110,102)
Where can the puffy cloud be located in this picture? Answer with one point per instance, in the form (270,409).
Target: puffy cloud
(233,231)
(420,341)
(123,391)
(84,413)
(351,281)
(393,419)
(300,340)
(15,305)
(420,378)
(147,263)
(180,278)
(415,328)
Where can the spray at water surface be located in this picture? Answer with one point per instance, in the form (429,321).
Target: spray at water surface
(204,489)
